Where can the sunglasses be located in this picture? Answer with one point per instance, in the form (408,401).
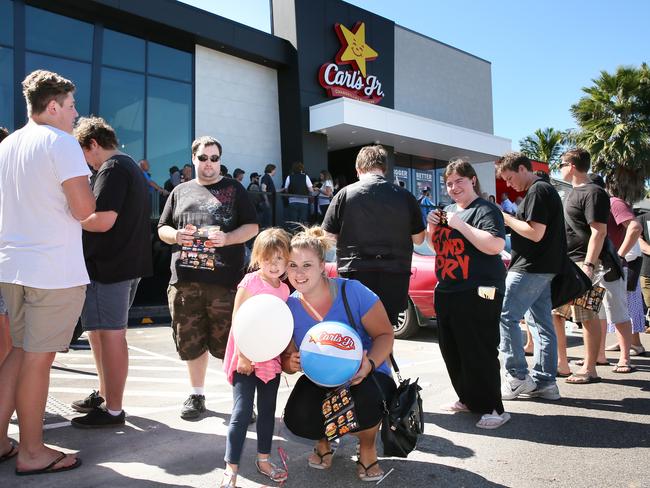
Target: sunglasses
(562,165)
(204,157)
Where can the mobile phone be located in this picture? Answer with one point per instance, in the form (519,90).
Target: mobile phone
(442,214)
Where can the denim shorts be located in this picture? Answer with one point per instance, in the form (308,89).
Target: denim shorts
(107,305)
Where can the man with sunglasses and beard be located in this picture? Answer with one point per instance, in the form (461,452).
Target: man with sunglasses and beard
(207,220)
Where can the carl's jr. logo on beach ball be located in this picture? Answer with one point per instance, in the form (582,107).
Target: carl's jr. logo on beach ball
(339,341)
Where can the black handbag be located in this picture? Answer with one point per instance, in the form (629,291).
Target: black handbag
(403,417)
(569,284)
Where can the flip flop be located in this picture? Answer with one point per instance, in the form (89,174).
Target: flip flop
(582,379)
(623,368)
(454,407)
(563,375)
(321,464)
(12,451)
(364,476)
(492,421)
(581,362)
(637,350)
(50,467)
(613,347)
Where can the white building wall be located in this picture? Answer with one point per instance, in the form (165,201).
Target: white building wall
(236,101)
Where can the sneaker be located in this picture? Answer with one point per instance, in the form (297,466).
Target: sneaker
(512,387)
(98,418)
(193,407)
(89,403)
(548,392)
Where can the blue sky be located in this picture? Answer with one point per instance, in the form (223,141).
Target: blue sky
(542,53)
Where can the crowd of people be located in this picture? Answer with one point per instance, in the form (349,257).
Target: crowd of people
(75,243)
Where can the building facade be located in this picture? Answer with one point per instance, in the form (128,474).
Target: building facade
(329,79)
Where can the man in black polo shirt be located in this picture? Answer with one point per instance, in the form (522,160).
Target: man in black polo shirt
(117,250)
(538,250)
(376,224)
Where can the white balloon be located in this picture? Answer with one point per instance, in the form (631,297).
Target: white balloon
(262,327)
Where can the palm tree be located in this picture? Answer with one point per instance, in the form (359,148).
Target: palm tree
(614,121)
(545,145)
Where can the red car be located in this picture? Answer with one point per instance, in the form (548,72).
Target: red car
(420,311)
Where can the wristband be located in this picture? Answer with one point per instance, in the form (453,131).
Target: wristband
(589,265)
(372,366)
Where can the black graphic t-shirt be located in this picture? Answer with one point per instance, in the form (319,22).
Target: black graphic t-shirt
(225,204)
(459,265)
(543,205)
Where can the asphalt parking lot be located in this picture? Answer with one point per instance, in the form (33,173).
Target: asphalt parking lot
(598,435)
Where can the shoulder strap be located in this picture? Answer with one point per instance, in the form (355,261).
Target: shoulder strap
(354,325)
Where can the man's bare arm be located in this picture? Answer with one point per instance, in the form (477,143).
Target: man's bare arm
(79,196)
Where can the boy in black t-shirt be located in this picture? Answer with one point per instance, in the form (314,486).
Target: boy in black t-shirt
(538,249)
(117,251)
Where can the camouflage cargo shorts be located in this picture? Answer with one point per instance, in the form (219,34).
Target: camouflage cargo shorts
(201,317)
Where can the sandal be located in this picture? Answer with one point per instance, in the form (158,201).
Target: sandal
(492,421)
(50,467)
(322,464)
(582,379)
(454,407)
(623,368)
(637,350)
(364,476)
(228,480)
(13,450)
(581,362)
(277,473)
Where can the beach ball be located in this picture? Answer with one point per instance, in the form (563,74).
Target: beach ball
(330,353)
(262,327)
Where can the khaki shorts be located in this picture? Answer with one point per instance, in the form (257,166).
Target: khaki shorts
(201,317)
(42,320)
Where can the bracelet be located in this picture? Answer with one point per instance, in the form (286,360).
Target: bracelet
(372,366)
(589,265)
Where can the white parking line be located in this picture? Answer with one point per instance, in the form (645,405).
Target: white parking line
(136,379)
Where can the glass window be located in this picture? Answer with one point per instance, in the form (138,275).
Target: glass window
(6,22)
(121,104)
(169,62)
(59,35)
(78,73)
(169,125)
(123,51)
(7,88)
(442,196)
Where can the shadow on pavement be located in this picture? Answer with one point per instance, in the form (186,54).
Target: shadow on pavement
(559,430)
(442,447)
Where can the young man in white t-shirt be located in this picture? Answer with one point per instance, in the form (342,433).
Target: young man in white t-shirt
(45,194)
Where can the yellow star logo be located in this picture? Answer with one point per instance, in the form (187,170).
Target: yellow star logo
(354,49)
